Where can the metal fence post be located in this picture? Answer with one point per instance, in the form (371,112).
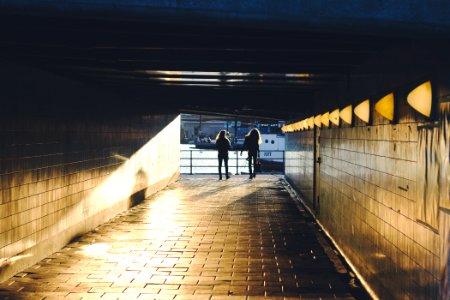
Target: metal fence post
(237,162)
(190,165)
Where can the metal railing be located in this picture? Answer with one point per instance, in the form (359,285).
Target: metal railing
(204,161)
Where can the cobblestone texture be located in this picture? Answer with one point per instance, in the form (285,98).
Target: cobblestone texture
(200,238)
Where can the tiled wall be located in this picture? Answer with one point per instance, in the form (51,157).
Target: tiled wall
(62,177)
(368,203)
(299,166)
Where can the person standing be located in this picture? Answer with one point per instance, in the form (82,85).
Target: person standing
(251,144)
(223,145)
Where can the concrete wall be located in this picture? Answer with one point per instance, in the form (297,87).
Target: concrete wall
(369,201)
(62,174)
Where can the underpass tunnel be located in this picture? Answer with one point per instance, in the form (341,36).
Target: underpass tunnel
(91,97)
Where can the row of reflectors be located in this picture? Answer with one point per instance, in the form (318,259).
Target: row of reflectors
(420,99)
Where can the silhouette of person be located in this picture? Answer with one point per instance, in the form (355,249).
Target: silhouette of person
(251,144)
(223,145)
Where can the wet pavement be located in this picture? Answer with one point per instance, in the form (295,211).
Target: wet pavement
(200,238)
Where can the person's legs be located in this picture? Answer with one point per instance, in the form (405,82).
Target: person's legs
(254,165)
(220,167)
(226,167)
(250,165)
(253,161)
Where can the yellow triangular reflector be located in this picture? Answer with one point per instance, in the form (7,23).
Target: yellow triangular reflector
(385,106)
(311,122)
(294,127)
(325,119)
(317,120)
(421,98)
(362,111)
(346,114)
(305,124)
(334,117)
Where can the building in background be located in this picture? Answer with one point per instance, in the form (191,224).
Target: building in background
(201,130)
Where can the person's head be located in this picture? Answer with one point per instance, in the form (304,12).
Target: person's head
(221,135)
(255,135)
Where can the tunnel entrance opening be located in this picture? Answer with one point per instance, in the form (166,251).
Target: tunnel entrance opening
(198,152)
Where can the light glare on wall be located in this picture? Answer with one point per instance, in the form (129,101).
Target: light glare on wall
(362,111)
(317,120)
(385,106)
(325,119)
(334,117)
(346,114)
(421,98)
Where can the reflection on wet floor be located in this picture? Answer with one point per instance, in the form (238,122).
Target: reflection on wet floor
(198,239)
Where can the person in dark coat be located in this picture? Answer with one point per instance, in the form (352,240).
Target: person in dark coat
(251,144)
(223,145)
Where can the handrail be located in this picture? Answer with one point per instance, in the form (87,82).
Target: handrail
(204,161)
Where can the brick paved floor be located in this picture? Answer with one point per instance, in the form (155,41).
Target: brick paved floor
(198,239)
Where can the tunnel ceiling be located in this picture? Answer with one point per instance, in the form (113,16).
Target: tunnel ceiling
(194,64)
